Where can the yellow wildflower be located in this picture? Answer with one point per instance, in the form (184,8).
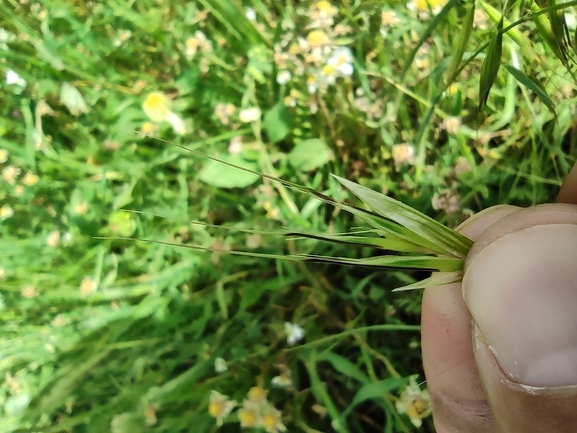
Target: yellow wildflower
(81,208)
(10,173)
(257,395)
(30,179)
(271,420)
(147,128)
(249,414)
(425,7)
(317,38)
(88,286)
(3,156)
(6,212)
(53,238)
(416,403)
(220,406)
(156,106)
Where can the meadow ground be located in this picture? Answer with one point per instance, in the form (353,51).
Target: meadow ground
(124,336)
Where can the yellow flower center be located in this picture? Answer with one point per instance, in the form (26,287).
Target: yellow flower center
(317,38)
(215,408)
(30,179)
(269,421)
(341,60)
(256,393)
(324,6)
(328,70)
(156,106)
(294,49)
(419,408)
(247,417)
(425,5)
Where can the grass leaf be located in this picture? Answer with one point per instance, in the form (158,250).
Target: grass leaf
(433,281)
(461,43)
(424,226)
(491,65)
(533,85)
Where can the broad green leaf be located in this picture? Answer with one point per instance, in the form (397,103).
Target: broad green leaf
(310,154)
(276,122)
(491,65)
(223,176)
(452,242)
(533,85)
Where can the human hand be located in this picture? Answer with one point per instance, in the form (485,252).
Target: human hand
(500,349)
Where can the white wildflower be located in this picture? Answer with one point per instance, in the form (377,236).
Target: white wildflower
(249,115)
(6,212)
(220,365)
(294,332)
(283,77)
(282,381)
(250,14)
(342,60)
(12,78)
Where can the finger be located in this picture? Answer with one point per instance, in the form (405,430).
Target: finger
(458,399)
(520,286)
(568,192)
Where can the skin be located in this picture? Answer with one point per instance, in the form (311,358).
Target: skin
(498,349)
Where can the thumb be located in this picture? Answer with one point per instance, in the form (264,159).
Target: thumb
(520,286)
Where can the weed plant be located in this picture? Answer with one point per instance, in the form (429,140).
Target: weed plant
(128,120)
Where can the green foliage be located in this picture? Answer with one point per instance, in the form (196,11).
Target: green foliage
(221,176)
(104,333)
(310,154)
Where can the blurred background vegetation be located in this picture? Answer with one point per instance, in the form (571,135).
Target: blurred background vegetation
(123,336)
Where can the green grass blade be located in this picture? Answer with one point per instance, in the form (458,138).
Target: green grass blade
(533,85)
(553,29)
(461,43)
(350,238)
(424,262)
(424,226)
(491,65)
(433,281)
(428,263)
(381,243)
(511,31)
